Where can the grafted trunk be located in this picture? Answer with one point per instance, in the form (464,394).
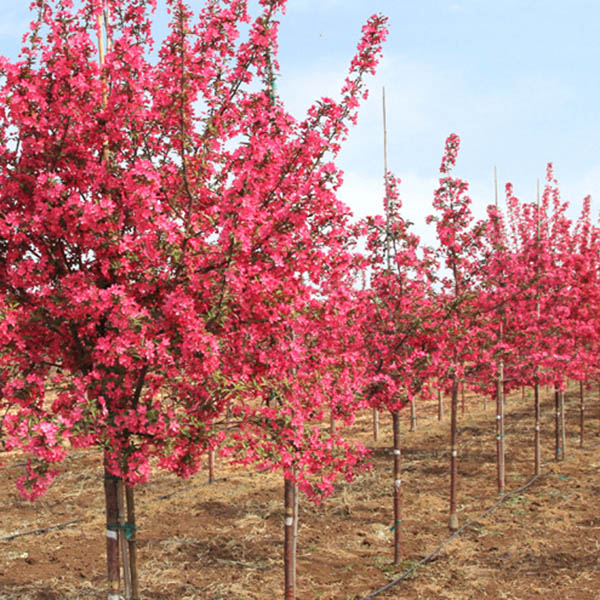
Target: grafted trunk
(581,413)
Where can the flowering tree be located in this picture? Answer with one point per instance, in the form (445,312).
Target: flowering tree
(163,223)
(539,313)
(459,249)
(397,328)
(585,293)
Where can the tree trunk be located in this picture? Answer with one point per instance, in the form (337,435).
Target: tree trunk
(440,406)
(462,398)
(557,435)
(563,433)
(397,487)
(288,543)
(375,424)
(112,538)
(536,442)
(581,413)
(453,456)
(331,422)
(211,466)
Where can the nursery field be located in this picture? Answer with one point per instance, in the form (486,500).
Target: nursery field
(223,541)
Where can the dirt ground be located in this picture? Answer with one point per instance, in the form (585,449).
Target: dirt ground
(223,541)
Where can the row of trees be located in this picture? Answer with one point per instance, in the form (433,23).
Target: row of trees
(178,277)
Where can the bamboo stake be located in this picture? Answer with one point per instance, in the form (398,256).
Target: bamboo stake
(288,545)
(295,539)
(111,489)
(123,540)
(395,413)
(375,424)
(537,442)
(413,415)
(500,428)
(453,455)
(397,487)
(112,538)
(132,543)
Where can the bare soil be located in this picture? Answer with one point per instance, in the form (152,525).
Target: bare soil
(223,541)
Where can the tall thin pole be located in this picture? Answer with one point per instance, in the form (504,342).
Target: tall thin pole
(385,159)
(496,186)
(135,586)
(387,229)
(397,488)
(111,488)
(413,414)
(288,552)
(112,537)
(500,424)
(536,390)
(499,391)
(395,413)
(123,546)
(453,455)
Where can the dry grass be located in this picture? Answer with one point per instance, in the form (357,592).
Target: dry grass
(223,541)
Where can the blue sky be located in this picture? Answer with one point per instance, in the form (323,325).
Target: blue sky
(519,81)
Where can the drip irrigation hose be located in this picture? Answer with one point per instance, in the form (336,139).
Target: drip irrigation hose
(43,530)
(433,554)
(153,499)
(179,491)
